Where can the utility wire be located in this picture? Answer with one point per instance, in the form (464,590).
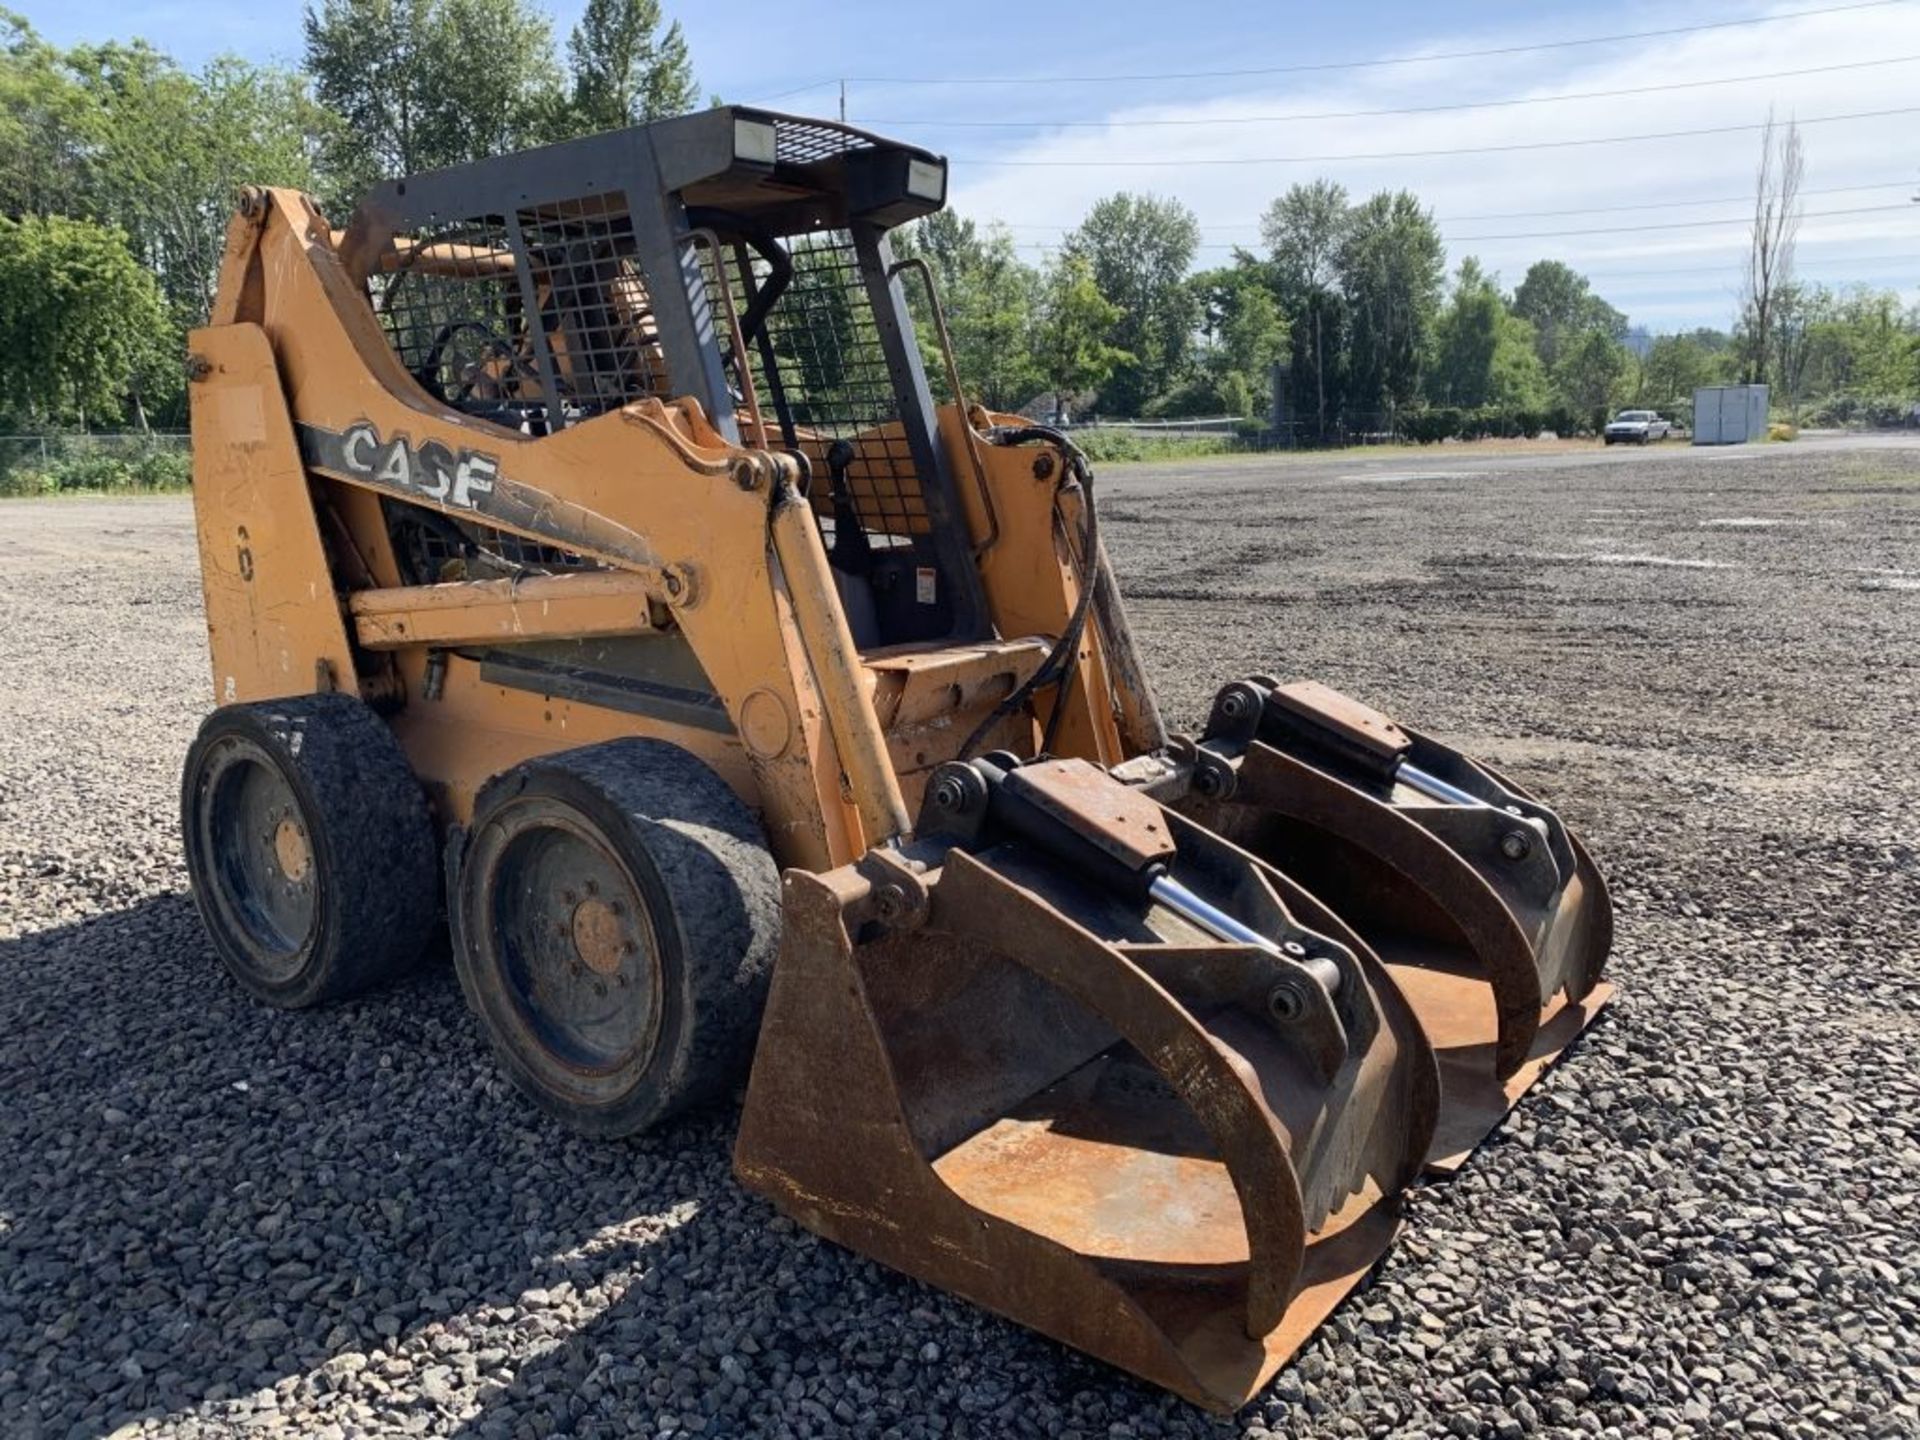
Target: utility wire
(1061,228)
(1188,160)
(1721,269)
(1583,231)
(1395,110)
(1322,66)
(1746,199)
(1669,225)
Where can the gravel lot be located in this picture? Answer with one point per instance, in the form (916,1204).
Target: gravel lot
(217,1220)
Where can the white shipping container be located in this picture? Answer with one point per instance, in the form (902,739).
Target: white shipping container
(1729,414)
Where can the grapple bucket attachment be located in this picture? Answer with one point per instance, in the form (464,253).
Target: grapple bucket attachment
(1078,1059)
(1489,914)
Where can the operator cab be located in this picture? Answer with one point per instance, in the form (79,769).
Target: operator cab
(734,256)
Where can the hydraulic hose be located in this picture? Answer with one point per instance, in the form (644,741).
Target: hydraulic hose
(1059,663)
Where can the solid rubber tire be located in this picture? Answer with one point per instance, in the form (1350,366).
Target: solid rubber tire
(711,891)
(370,835)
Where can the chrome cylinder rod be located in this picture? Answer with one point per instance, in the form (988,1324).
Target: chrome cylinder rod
(1216,922)
(1433,787)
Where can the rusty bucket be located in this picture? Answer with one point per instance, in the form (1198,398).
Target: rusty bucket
(1490,916)
(1074,1057)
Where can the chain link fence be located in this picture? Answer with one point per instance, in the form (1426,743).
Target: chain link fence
(1117,439)
(56,464)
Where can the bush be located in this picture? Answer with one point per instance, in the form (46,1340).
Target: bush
(1109,447)
(1562,421)
(20,481)
(1487,422)
(1780,430)
(94,469)
(1876,412)
(1430,427)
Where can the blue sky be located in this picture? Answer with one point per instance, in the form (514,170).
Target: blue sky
(1219,143)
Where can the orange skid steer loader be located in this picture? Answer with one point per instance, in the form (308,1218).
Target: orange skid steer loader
(587,560)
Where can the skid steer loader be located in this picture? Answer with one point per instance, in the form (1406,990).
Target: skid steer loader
(588,561)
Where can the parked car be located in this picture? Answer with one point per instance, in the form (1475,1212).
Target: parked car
(1636,427)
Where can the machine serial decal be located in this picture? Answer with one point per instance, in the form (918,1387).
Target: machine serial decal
(461,479)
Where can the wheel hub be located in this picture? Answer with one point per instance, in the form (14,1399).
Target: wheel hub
(290,849)
(599,937)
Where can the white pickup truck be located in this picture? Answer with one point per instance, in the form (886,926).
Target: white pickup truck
(1636,427)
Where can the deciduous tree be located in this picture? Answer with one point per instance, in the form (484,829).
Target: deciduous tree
(418,84)
(83,328)
(1303,231)
(1138,249)
(625,68)
(1391,262)
(1071,351)
(1771,240)
(1560,304)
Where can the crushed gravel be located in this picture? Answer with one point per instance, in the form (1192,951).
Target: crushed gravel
(219,1220)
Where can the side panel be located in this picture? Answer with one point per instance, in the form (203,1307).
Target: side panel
(273,617)
(1030,573)
(649,490)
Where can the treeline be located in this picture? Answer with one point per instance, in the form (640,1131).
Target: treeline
(1352,302)
(118,166)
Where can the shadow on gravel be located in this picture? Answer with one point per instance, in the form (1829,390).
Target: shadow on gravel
(344,1222)
(201,1199)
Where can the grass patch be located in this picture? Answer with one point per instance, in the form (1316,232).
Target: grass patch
(1124,447)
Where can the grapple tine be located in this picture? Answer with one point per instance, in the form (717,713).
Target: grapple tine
(1079,1110)
(1490,915)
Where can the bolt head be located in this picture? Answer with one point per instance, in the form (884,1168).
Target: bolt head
(1516,845)
(1286,1002)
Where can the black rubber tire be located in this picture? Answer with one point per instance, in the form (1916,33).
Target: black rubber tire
(612,1052)
(364,904)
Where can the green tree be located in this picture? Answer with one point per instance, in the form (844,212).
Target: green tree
(1560,305)
(1466,338)
(625,70)
(1593,371)
(1391,263)
(988,296)
(1862,343)
(1071,352)
(418,84)
(1139,249)
(172,147)
(83,328)
(48,126)
(1242,334)
(1675,367)
(1304,230)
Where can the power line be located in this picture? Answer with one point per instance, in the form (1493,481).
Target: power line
(1666,204)
(1322,66)
(1395,110)
(1059,227)
(1721,269)
(1457,240)
(1668,225)
(1188,160)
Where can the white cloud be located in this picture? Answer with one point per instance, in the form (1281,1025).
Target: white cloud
(1229,198)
